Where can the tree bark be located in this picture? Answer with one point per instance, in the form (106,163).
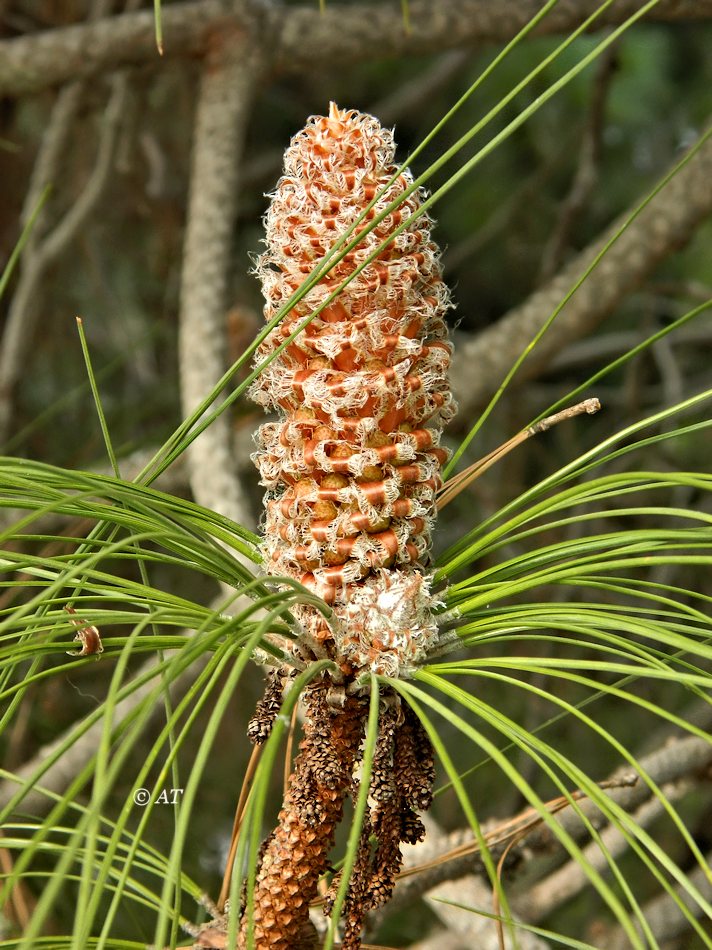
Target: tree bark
(299,36)
(229,75)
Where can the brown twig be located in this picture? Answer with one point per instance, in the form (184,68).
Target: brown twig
(512,831)
(452,488)
(17,907)
(237,823)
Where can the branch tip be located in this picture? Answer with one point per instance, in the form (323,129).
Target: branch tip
(589,406)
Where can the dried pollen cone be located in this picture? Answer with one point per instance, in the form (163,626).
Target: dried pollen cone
(352,466)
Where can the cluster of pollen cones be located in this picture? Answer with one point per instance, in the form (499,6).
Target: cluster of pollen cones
(352,465)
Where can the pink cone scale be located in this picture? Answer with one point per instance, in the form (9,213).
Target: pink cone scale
(352,465)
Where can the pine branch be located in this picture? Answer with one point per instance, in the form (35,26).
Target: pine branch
(49,58)
(586,174)
(228,80)
(665,225)
(564,883)
(62,773)
(51,239)
(296,37)
(677,760)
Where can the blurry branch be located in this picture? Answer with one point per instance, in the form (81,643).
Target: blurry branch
(500,218)
(63,772)
(34,62)
(410,97)
(375,30)
(695,290)
(663,915)
(661,228)
(173,481)
(615,398)
(447,859)
(263,169)
(230,71)
(472,929)
(586,175)
(671,375)
(608,346)
(439,940)
(47,242)
(299,36)
(22,315)
(544,897)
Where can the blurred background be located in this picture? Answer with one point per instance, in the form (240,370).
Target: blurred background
(108,245)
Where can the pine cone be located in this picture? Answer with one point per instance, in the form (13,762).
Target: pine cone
(352,467)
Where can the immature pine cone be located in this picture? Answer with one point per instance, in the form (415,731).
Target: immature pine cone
(352,466)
